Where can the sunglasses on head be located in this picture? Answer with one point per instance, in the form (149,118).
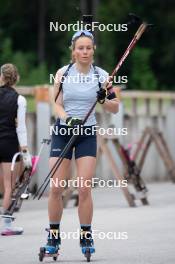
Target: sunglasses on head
(82,33)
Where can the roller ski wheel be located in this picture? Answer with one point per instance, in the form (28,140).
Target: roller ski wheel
(41,254)
(51,249)
(88,255)
(87,252)
(48,251)
(144,201)
(87,248)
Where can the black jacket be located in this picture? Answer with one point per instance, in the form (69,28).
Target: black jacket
(8,112)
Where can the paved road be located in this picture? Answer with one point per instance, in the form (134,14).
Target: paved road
(150,230)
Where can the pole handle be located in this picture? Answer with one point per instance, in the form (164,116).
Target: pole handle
(141,30)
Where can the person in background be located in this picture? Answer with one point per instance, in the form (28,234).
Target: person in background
(13,137)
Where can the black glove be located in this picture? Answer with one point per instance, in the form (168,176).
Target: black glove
(101,95)
(73,121)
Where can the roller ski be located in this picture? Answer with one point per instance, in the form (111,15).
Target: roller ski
(133,175)
(87,244)
(21,189)
(51,249)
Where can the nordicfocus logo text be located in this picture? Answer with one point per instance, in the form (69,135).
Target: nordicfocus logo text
(81,78)
(88,131)
(79,25)
(111,235)
(79,182)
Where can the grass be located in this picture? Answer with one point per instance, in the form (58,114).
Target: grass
(31,105)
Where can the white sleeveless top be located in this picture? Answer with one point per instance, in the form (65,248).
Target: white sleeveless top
(79,92)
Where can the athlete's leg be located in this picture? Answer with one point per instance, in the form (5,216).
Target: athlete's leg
(17,172)
(55,204)
(85,170)
(7,180)
(1,180)
(8,228)
(9,148)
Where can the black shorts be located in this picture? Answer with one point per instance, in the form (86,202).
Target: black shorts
(85,145)
(8,148)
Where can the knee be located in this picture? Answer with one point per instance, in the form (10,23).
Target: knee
(84,193)
(55,192)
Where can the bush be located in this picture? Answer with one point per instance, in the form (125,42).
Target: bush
(30,72)
(142,76)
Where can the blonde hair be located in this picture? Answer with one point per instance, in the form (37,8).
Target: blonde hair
(10,75)
(72,47)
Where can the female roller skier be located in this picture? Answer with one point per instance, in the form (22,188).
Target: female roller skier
(74,100)
(13,137)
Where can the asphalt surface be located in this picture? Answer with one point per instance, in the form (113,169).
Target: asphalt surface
(150,230)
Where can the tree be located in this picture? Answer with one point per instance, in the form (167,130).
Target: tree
(41,30)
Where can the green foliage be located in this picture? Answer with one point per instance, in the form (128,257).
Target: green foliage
(38,75)
(142,76)
(149,67)
(25,62)
(6,50)
(160,41)
(31,105)
(110,42)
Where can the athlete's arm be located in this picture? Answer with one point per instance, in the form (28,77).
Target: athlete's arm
(111,103)
(59,102)
(21,131)
(21,122)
